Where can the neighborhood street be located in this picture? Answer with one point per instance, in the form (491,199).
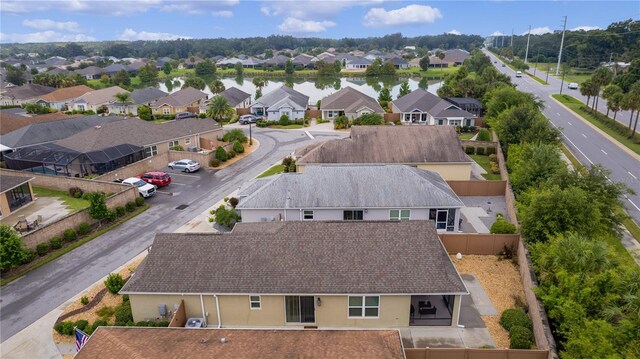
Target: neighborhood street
(585,143)
(32,296)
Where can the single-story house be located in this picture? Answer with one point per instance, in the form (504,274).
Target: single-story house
(282,101)
(128,342)
(357,63)
(292,274)
(96,99)
(343,192)
(115,68)
(112,145)
(15,118)
(15,192)
(423,107)
(468,104)
(435,61)
(277,61)
(434,148)
(456,57)
(61,98)
(25,93)
(348,102)
(139,97)
(90,72)
(398,63)
(186,99)
(57,70)
(236,98)
(304,61)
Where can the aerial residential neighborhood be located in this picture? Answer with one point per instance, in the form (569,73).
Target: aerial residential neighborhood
(307,179)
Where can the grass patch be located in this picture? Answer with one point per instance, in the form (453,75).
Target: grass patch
(633,228)
(273,170)
(537,78)
(622,253)
(483,161)
(39,262)
(576,78)
(574,161)
(287,127)
(466,135)
(74,204)
(611,127)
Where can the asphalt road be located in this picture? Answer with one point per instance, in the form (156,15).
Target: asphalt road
(584,142)
(29,298)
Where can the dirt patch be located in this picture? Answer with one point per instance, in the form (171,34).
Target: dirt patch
(247,151)
(500,279)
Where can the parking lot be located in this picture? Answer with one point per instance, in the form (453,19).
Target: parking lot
(180,181)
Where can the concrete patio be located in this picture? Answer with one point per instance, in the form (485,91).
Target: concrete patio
(480,212)
(50,208)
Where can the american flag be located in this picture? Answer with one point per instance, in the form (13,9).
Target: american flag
(81,339)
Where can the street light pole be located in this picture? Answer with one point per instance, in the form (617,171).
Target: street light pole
(562,83)
(250,138)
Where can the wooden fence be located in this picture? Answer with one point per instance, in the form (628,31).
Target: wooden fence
(313,113)
(467,353)
(478,243)
(179,317)
(391,117)
(478,188)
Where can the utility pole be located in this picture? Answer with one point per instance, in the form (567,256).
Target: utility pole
(526,54)
(564,27)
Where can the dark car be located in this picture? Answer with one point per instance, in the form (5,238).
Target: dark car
(247,119)
(183,115)
(157,178)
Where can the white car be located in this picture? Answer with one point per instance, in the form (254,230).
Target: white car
(185,165)
(572,86)
(146,190)
(518,73)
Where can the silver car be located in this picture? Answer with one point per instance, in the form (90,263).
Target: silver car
(185,165)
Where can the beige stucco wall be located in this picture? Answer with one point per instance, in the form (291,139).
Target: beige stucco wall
(235,311)
(394,312)
(453,171)
(4,205)
(145,306)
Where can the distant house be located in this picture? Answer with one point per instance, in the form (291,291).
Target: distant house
(187,99)
(304,61)
(423,107)
(21,94)
(398,63)
(96,99)
(470,105)
(278,61)
(57,71)
(348,102)
(91,72)
(455,57)
(15,192)
(270,275)
(326,57)
(236,98)
(115,68)
(61,98)
(162,61)
(357,63)
(282,101)
(343,192)
(434,148)
(139,97)
(191,62)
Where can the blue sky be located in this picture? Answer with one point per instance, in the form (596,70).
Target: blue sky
(94,20)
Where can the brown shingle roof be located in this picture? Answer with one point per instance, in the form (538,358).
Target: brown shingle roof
(66,93)
(391,144)
(182,97)
(102,96)
(116,343)
(8,182)
(296,257)
(11,122)
(350,100)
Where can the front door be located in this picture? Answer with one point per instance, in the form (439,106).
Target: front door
(300,309)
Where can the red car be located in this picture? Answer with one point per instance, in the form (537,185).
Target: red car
(160,179)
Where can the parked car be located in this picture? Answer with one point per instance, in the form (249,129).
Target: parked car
(503,65)
(157,178)
(572,86)
(246,119)
(518,73)
(183,115)
(145,189)
(185,165)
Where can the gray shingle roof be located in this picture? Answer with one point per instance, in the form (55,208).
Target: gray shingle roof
(296,257)
(348,186)
(391,144)
(350,100)
(28,91)
(90,70)
(181,97)
(8,182)
(283,93)
(422,100)
(234,96)
(146,95)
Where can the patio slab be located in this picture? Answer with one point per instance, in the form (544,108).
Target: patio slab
(481,300)
(480,212)
(446,337)
(50,208)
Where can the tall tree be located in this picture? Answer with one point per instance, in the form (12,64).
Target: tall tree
(258,82)
(15,75)
(148,73)
(404,89)
(609,92)
(587,88)
(195,82)
(205,68)
(166,68)
(384,97)
(121,78)
(219,108)
(288,67)
(424,63)
(122,98)
(601,77)
(239,68)
(634,103)
(217,86)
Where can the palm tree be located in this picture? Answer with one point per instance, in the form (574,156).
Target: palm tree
(634,103)
(219,108)
(602,77)
(123,97)
(259,83)
(217,86)
(614,103)
(587,89)
(608,94)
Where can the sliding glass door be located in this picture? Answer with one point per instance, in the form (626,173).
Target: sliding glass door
(300,309)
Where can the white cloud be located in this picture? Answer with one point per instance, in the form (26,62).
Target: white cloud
(47,24)
(115,7)
(454,32)
(223,13)
(310,10)
(131,35)
(412,14)
(293,25)
(586,28)
(199,7)
(538,31)
(44,36)
(497,33)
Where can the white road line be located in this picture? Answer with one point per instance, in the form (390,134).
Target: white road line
(603,151)
(178,184)
(583,135)
(569,123)
(180,174)
(576,147)
(633,204)
(632,175)
(308,134)
(558,113)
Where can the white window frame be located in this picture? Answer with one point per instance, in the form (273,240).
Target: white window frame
(173,143)
(399,215)
(330,114)
(151,150)
(455,122)
(363,307)
(305,212)
(187,140)
(253,301)
(165,111)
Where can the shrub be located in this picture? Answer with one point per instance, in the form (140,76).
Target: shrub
(287,161)
(114,282)
(492,157)
(142,324)
(480,151)
(502,226)
(70,235)
(214,162)
(81,324)
(125,298)
(483,135)
(233,202)
(42,248)
(226,217)
(495,169)
(370,119)
(221,154)
(284,120)
(111,216)
(84,300)
(55,243)
(163,323)
(340,122)
(139,201)
(292,167)
(67,328)
(105,312)
(177,148)
(261,123)
(520,338)
(231,154)
(515,318)
(235,135)
(76,192)
(120,211)
(469,150)
(84,228)
(123,314)
(58,327)
(237,147)
(130,206)
(98,323)
(491,150)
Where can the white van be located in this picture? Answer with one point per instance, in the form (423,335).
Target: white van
(518,73)
(572,86)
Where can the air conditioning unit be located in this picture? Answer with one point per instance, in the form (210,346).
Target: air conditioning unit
(162,310)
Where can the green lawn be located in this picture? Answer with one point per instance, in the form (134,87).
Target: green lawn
(483,161)
(536,78)
(74,204)
(274,170)
(575,104)
(576,78)
(466,135)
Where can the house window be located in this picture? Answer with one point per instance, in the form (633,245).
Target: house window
(399,214)
(440,121)
(173,143)
(330,114)
(187,140)
(165,111)
(254,302)
(467,122)
(353,215)
(300,309)
(364,306)
(150,151)
(444,218)
(18,197)
(455,122)
(307,215)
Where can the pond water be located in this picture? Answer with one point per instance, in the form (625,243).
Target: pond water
(316,88)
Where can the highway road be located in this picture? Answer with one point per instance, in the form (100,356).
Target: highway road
(585,143)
